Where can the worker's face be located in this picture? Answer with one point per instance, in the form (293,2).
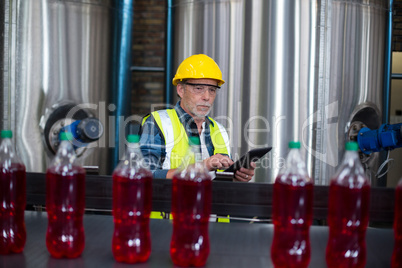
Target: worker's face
(197,96)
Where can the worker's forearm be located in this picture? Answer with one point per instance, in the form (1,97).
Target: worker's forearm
(170,173)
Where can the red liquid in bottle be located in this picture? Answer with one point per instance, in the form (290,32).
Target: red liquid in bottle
(397,253)
(191,208)
(347,220)
(12,207)
(292,216)
(65,204)
(132,204)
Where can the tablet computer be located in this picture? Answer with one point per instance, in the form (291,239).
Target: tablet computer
(245,160)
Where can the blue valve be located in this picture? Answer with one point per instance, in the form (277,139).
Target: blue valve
(387,137)
(84,131)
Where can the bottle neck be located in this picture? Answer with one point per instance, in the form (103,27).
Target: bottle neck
(295,163)
(350,172)
(7,152)
(7,147)
(133,157)
(196,150)
(352,160)
(192,163)
(65,154)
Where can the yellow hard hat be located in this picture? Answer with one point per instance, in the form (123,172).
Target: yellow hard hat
(196,67)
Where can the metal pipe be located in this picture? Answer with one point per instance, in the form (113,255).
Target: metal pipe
(146,69)
(396,76)
(387,84)
(388,66)
(121,75)
(169,53)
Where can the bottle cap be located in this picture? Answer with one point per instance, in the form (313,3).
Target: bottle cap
(6,134)
(194,140)
(66,136)
(294,144)
(351,146)
(90,129)
(131,138)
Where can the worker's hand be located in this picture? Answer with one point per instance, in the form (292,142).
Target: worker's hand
(218,161)
(170,173)
(245,174)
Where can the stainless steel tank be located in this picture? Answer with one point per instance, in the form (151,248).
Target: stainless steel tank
(56,70)
(295,70)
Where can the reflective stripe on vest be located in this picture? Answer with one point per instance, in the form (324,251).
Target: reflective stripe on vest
(176,139)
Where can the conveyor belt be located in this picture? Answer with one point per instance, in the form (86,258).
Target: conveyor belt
(228,198)
(232,245)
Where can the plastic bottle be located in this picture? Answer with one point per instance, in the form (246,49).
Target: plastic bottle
(65,202)
(132,204)
(191,208)
(348,212)
(292,212)
(12,198)
(396,261)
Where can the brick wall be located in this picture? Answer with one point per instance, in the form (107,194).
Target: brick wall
(148,50)
(397,27)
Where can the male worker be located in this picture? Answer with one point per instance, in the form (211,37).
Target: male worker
(164,134)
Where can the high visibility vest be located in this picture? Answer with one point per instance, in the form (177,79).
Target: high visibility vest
(176,143)
(176,139)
